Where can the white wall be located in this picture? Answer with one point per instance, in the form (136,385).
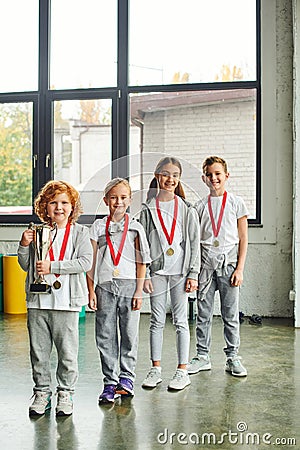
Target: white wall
(269,266)
(296,168)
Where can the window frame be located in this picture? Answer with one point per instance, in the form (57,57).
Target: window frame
(44,98)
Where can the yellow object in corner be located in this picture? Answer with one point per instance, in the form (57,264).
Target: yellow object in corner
(13,286)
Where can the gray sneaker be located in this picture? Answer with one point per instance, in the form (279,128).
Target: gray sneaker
(153,378)
(198,363)
(40,404)
(235,367)
(179,381)
(64,405)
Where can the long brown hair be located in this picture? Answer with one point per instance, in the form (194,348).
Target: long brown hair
(154,186)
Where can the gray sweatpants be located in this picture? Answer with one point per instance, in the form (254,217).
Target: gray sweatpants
(117,329)
(229,298)
(47,327)
(175,284)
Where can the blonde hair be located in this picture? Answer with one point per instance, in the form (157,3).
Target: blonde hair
(210,160)
(47,194)
(114,182)
(154,186)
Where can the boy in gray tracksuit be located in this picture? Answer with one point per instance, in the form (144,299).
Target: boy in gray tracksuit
(224,241)
(52,317)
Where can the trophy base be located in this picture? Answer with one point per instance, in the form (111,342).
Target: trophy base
(40,288)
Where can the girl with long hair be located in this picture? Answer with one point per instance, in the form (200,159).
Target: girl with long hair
(172,230)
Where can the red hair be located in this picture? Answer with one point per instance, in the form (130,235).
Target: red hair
(47,194)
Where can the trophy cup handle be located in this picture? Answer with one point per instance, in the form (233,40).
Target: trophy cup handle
(56,229)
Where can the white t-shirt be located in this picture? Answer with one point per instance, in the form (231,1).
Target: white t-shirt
(172,263)
(228,237)
(127,264)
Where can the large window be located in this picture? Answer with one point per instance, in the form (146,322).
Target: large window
(196,41)
(19,45)
(191,126)
(16,158)
(83,44)
(106,89)
(82,148)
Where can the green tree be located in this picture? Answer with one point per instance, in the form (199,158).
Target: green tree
(15,154)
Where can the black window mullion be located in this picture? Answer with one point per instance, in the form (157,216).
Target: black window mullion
(120,166)
(43,146)
(258,114)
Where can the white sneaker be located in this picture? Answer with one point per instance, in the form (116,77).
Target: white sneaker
(153,378)
(198,363)
(180,380)
(235,367)
(40,404)
(64,405)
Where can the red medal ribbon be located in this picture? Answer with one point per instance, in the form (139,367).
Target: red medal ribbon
(215,228)
(63,246)
(170,236)
(116,259)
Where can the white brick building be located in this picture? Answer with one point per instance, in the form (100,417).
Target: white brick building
(192,126)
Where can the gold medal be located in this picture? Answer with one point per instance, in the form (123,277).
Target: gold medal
(169,237)
(57,284)
(170,252)
(216,243)
(116,272)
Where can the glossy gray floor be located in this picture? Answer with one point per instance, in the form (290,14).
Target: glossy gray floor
(215,411)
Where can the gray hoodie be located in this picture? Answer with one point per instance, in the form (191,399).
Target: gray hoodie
(190,242)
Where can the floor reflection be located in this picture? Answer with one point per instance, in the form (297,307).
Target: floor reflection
(215,404)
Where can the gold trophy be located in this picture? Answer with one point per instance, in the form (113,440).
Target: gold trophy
(42,243)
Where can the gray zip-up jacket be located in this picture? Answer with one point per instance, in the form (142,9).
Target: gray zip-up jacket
(190,242)
(76,267)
